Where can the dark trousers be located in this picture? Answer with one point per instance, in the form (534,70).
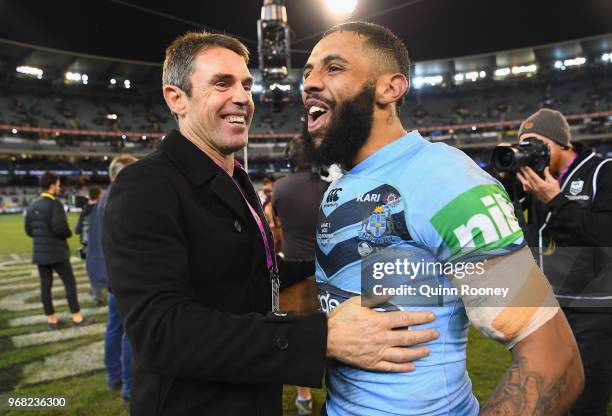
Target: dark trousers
(593,332)
(64,269)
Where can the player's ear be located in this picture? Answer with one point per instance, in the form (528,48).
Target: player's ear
(390,88)
(175,98)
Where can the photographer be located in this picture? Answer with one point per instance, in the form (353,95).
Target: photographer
(568,211)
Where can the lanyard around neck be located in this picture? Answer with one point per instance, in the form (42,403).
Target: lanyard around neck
(269,257)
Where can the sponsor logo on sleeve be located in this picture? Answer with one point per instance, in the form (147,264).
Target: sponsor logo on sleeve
(480,218)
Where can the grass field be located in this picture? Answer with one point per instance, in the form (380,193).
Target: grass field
(33,364)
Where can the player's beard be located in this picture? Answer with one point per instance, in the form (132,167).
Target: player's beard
(348,129)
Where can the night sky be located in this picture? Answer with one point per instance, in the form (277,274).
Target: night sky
(432,29)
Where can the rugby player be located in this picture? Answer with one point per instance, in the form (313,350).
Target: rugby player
(430,202)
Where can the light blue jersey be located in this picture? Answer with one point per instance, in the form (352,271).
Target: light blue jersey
(434,204)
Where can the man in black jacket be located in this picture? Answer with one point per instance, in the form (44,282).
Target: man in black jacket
(191,263)
(82,230)
(46,223)
(569,223)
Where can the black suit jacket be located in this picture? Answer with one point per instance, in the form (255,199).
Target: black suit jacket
(187,266)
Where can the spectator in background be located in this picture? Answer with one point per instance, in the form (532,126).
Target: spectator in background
(295,203)
(266,203)
(47,224)
(265,194)
(82,230)
(117,350)
(569,220)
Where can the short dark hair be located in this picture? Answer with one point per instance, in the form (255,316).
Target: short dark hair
(94,193)
(47,179)
(383,41)
(297,154)
(183,50)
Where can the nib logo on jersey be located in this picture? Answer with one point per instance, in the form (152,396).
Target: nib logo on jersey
(482,217)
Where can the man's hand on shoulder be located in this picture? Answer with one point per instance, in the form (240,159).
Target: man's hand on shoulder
(364,338)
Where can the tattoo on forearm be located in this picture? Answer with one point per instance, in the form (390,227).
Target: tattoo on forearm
(523,392)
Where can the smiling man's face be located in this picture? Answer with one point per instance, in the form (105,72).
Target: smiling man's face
(220,109)
(338,95)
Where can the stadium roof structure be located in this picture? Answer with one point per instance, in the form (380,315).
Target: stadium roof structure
(56,62)
(593,47)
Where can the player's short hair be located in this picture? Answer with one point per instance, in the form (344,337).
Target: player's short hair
(94,192)
(47,179)
(384,42)
(297,155)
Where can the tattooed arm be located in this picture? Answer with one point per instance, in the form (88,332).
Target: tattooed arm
(546,374)
(545,377)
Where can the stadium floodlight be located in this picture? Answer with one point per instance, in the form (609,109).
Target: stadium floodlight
(472,76)
(433,80)
(502,72)
(580,60)
(341,7)
(30,70)
(524,69)
(127,84)
(113,81)
(76,77)
(73,76)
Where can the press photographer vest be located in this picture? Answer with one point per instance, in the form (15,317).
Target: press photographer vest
(579,272)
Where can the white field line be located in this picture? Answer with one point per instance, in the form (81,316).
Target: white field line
(46,337)
(65,364)
(63,316)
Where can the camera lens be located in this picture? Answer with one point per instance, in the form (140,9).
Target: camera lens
(503,158)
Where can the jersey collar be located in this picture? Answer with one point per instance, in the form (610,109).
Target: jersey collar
(390,151)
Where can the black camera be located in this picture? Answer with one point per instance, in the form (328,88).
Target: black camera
(531,152)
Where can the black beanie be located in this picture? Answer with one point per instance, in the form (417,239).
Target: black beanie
(549,123)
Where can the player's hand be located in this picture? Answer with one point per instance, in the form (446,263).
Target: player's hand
(365,338)
(543,189)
